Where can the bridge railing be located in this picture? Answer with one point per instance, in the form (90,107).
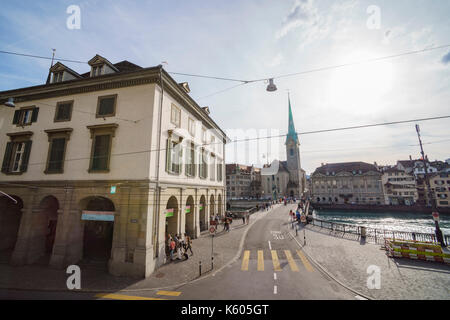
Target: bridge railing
(378,235)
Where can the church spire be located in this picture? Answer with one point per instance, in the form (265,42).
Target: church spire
(292,134)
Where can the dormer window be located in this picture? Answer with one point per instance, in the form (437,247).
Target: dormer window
(97,70)
(57,76)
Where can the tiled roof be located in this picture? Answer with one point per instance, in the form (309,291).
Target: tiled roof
(346,166)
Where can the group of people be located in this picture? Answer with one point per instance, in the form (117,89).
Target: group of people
(178,246)
(264,206)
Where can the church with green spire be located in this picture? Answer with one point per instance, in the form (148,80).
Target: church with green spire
(290,179)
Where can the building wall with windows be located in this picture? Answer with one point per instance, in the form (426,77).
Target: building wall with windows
(350,182)
(92,175)
(440,185)
(399,187)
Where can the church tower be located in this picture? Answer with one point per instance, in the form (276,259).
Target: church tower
(292,143)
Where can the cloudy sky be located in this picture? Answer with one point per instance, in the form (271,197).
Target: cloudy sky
(260,39)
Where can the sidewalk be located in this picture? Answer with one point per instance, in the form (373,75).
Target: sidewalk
(347,259)
(227,246)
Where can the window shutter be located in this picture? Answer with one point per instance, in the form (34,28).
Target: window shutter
(16,117)
(34,116)
(168,154)
(7,157)
(26,156)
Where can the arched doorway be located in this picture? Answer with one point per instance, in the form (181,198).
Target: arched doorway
(98,218)
(10,217)
(219,205)
(202,213)
(172,216)
(212,211)
(189,214)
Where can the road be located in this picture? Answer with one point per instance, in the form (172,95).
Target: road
(272,266)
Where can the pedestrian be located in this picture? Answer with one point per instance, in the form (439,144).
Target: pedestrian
(172,248)
(248,218)
(243,218)
(179,251)
(291,215)
(188,244)
(297,214)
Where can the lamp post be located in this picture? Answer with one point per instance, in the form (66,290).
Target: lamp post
(438,231)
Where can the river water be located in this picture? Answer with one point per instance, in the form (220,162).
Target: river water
(396,221)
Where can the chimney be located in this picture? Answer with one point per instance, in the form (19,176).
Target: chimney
(410,158)
(322,164)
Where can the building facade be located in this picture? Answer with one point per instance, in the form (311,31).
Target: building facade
(399,187)
(440,185)
(345,183)
(102,166)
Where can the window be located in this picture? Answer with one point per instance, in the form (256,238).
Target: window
(175,115)
(203,135)
(203,164)
(57,76)
(101,136)
(191,126)
(57,148)
(291,152)
(190,159)
(106,106)
(219,170)
(17,153)
(212,169)
(63,111)
(173,156)
(97,70)
(25,116)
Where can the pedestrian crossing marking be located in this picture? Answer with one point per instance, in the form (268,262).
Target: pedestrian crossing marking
(276,263)
(305,261)
(168,293)
(122,297)
(245,260)
(260,260)
(291,261)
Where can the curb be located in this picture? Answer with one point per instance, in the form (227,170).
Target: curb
(232,260)
(326,272)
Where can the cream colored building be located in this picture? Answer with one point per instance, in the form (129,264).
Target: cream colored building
(399,187)
(348,182)
(440,185)
(103,165)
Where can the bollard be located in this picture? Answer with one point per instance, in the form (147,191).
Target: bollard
(212,263)
(200,268)
(304,237)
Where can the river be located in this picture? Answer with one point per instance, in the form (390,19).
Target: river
(395,221)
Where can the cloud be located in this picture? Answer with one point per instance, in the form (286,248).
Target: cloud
(303,13)
(276,61)
(446,58)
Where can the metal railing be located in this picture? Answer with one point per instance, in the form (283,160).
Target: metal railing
(378,235)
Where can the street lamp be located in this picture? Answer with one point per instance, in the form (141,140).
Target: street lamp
(10,103)
(435,213)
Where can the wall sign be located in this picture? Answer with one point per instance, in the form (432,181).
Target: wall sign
(188,209)
(169,213)
(97,215)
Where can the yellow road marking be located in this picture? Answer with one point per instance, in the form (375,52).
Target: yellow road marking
(291,261)
(168,293)
(245,260)
(122,297)
(276,263)
(305,261)
(260,260)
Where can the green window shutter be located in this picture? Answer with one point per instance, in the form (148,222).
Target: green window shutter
(34,115)
(26,156)
(16,117)
(168,154)
(55,163)
(7,157)
(101,152)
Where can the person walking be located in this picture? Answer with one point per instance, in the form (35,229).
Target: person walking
(188,244)
(248,218)
(243,218)
(172,248)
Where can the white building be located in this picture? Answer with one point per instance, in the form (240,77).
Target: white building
(103,165)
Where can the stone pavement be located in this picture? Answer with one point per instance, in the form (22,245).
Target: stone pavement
(227,246)
(347,258)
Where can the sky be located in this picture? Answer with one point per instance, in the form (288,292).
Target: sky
(262,39)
